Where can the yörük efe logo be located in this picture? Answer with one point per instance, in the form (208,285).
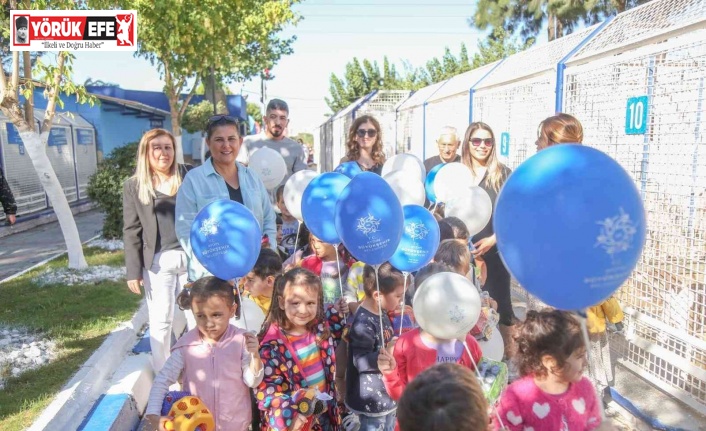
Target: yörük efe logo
(416,230)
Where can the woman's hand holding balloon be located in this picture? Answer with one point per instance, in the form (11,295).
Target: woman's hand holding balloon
(483,246)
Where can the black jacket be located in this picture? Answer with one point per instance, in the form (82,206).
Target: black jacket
(6,198)
(140,228)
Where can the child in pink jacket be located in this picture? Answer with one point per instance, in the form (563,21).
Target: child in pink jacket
(553,393)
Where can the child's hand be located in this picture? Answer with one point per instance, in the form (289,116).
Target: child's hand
(298,423)
(607,425)
(386,361)
(252,345)
(342,305)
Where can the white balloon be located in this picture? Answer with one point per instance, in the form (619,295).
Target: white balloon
(474,209)
(409,190)
(405,162)
(447,306)
(294,191)
(251,313)
(269,165)
(451,182)
(494,348)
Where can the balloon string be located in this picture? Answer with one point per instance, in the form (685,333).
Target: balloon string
(380,311)
(240,298)
(480,382)
(296,241)
(584,332)
(404,294)
(340,279)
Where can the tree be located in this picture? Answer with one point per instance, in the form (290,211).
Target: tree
(196,116)
(56,80)
(497,47)
(253,110)
(560,16)
(189,39)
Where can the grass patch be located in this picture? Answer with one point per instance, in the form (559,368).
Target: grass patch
(77,318)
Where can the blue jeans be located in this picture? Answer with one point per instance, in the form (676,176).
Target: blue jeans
(377,423)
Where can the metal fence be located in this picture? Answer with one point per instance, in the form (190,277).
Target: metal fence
(656,54)
(71,149)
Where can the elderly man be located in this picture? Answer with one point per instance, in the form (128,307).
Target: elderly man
(448,143)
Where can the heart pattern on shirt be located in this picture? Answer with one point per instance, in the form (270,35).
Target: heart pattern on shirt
(541,410)
(579,405)
(513,418)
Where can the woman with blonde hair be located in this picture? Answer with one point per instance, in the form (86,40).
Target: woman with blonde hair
(364,144)
(478,153)
(153,256)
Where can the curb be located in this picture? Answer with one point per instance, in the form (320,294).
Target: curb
(123,403)
(76,398)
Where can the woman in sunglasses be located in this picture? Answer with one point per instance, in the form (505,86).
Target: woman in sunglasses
(478,153)
(153,256)
(221,177)
(364,144)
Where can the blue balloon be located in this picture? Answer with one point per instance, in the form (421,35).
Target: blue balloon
(369,219)
(570,225)
(429,182)
(420,239)
(349,169)
(226,239)
(319,205)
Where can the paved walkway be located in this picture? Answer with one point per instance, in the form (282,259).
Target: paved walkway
(25,249)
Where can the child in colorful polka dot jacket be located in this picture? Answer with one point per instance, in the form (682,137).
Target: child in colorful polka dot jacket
(298,343)
(553,393)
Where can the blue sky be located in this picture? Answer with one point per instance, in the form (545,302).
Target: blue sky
(331,33)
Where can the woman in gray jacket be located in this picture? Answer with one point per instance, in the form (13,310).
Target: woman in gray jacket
(221,177)
(153,256)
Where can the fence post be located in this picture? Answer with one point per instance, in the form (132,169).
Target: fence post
(472,90)
(644,165)
(694,166)
(561,66)
(424,131)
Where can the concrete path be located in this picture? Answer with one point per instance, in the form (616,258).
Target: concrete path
(23,250)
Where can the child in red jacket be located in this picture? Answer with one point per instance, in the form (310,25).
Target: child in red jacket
(416,351)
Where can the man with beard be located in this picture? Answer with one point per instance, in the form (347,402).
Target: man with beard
(448,143)
(276,120)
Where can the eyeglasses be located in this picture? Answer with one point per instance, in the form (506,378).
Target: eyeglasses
(222,118)
(477,141)
(371,133)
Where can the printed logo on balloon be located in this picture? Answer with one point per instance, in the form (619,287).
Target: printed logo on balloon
(420,239)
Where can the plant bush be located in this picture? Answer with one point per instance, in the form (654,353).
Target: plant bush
(105,187)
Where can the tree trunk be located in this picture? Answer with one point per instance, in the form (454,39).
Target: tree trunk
(176,130)
(220,95)
(551,27)
(33,143)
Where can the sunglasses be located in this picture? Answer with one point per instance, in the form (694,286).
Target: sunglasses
(477,141)
(371,133)
(222,118)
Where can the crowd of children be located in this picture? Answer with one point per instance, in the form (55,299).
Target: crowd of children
(339,349)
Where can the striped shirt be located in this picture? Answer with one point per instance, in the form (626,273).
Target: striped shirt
(310,359)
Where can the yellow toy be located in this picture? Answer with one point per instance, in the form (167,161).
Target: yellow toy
(190,414)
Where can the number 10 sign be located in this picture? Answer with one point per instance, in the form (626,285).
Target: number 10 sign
(636,116)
